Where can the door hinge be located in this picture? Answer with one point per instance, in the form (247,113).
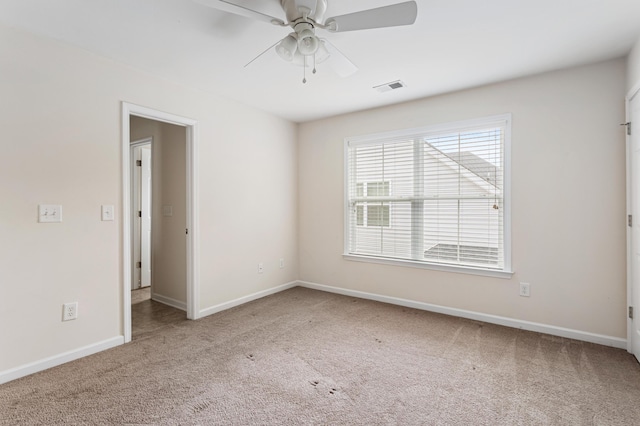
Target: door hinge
(187,231)
(630,220)
(138,264)
(628,124)
(140,214)
(630,312)
(139,163)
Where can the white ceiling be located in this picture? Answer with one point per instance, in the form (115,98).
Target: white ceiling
(454,44)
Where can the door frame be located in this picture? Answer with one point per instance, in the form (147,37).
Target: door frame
(635,91)
(193,284)
(135,180)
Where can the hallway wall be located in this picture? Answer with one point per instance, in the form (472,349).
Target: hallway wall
(168,239)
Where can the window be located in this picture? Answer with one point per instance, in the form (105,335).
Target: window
(434,197)
(369,213)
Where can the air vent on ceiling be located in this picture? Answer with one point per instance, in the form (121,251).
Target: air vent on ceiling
(393,85)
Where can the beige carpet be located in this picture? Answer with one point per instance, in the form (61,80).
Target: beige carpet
(307,357)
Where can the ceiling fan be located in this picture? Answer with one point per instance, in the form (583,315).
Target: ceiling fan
(302,46)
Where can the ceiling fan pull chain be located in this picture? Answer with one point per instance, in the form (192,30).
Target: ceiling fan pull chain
(314,63)
(304,70)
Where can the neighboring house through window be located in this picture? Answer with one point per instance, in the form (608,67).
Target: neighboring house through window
(436,196)
(372,213)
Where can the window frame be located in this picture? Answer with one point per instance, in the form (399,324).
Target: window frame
(457,126)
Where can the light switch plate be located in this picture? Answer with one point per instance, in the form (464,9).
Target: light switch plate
(107,212)
(49,213)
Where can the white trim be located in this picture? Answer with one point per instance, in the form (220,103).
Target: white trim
(600,339)
(506,196)
(53,361)
(141,142)
(127,230)
(502,120)
(346,228)
(630,95)
(132,197)
(463,125)
(193,271)
(433,266)
(629,210)
(249,298)
(193,283)
(169,301)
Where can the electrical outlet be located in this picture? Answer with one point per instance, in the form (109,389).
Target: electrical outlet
(281,263)
(525,291)
(260,268)
(69,311)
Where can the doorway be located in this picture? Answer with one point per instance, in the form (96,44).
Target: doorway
(141,190)
(167,213)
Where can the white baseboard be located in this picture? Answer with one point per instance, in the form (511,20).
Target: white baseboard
(242,300)
(169,301)
(600,339)
(44,364)
(34,367)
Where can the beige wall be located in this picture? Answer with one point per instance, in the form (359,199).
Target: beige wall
(60,117)
(568,203)
(168,252)
(263,196)
(633,67)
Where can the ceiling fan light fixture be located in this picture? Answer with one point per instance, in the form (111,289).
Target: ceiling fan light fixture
(287,48)
(308,43)
(300,60)
(322,54)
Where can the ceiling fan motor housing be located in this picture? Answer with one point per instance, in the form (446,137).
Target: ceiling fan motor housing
(294,9)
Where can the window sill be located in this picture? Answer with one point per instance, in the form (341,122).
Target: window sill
(431,266)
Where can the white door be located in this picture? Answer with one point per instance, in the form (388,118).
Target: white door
(141,181)
(145,225)
(634,148)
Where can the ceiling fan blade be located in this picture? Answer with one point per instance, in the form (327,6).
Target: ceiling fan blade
(265,51)
(386,16)
(236,9)
(338,61)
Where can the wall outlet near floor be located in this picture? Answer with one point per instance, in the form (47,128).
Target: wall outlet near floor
(260,268)
(281,263)
(525,290)
(69,311)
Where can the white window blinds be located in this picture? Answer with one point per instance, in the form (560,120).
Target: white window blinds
(434,195)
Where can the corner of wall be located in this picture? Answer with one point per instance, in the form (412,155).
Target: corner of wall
(633,67)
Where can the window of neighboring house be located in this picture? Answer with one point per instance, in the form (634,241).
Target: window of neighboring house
(433,197)
(372,213)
